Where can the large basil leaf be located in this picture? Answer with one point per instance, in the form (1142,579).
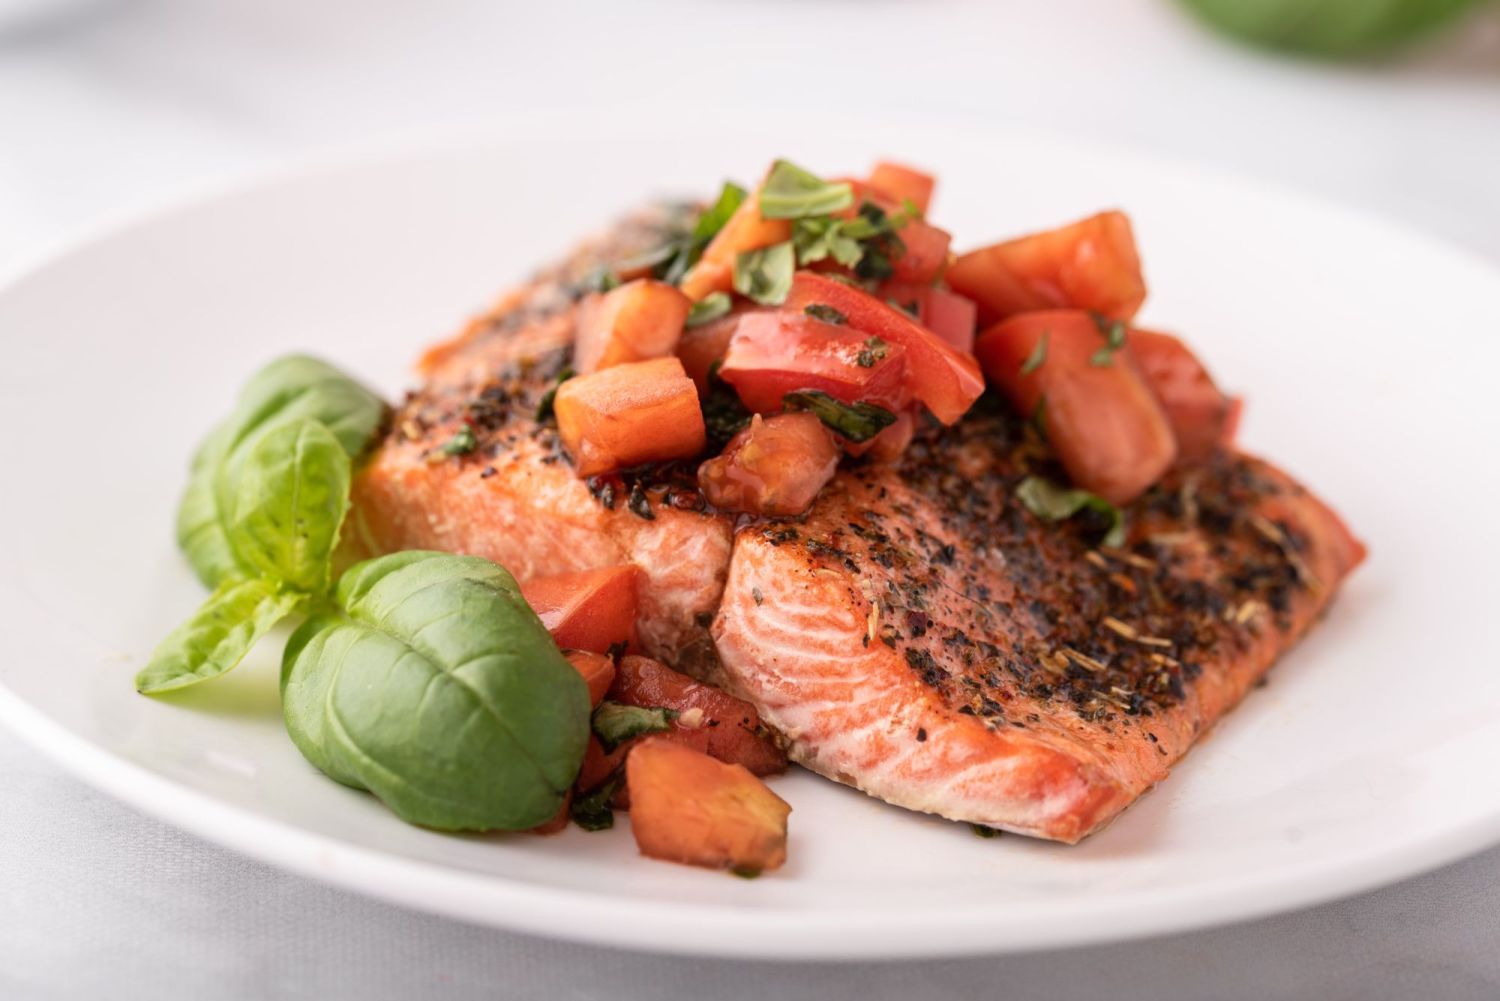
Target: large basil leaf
(291,498)
(288,390)
(218,635)
(436,687)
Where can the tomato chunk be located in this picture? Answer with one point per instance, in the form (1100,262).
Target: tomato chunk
(587,609)
(775,353)
(947,381)
(774,467)
(946,313)
(1198,411)
(1092,264)
(638,321)
(686,807)
(597,671)
(925,252)
(1099,414)
(701,346)
(900,183)
(711,720)
(630,414)
(745,230)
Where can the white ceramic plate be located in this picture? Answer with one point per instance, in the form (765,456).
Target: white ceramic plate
(1368,357)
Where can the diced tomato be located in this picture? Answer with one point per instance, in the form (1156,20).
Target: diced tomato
(628,415)
(1098,413)
(707,718)
(686,807)
(701,346)
(599,764)
(945,313)
(1198,411)
(745,230)
(588,609)
(901,183)
(925,254)
(945,380)
(596,669)
(638,321)
(1092,264)
(772,354)
(774,467)
(888,445)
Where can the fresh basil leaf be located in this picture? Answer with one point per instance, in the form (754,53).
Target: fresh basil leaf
(793,193)
(765,275)
(1333,28)
(288,390)
(614,723)
(218,635)
(435,686)
(1051,502)
(856,421)
(1038,355)
(874,351)
(711,307)
(292,497)
(591,811)
(823,237)
(462,443)
(713,218)
(544,406)
(1113,332)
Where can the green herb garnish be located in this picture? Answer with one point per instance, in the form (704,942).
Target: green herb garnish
(857,422)
(684,252)
(820,311)
(874,351)
(462,443)
(544,406)
(708,309)
(793,193)
(591,811)
(1113,332)
(1051,502)
(1038,355)
(765,275)
(601,279)
(615,723)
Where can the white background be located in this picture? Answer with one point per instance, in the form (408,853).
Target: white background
(106,107)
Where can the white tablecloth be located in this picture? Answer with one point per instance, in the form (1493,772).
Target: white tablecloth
(106,105)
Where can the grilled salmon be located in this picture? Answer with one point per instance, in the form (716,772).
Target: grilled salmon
(922,636)
(919,633)
(468,466)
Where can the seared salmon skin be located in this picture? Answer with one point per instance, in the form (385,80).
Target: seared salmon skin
(922,636)
(919,633)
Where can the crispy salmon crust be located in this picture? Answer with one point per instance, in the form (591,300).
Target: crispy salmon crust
(923,637)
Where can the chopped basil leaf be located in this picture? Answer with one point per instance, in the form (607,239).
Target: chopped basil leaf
(683,253)
(1051,502)
(823,237)
(591,811)
(874,350)
(981,831)
(462,442)
(1038,355)
(765,275)
(793,193)
(615,723)
(819,311)
(855,421)
(1113,332)
(544,405)
(708,309)
(601,279)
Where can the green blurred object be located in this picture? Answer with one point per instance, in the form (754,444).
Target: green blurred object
(1329,27)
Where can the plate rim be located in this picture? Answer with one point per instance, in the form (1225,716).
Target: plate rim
(742,933)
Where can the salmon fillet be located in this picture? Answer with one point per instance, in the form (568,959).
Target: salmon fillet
(923,637)
(513,497)
(918,634)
